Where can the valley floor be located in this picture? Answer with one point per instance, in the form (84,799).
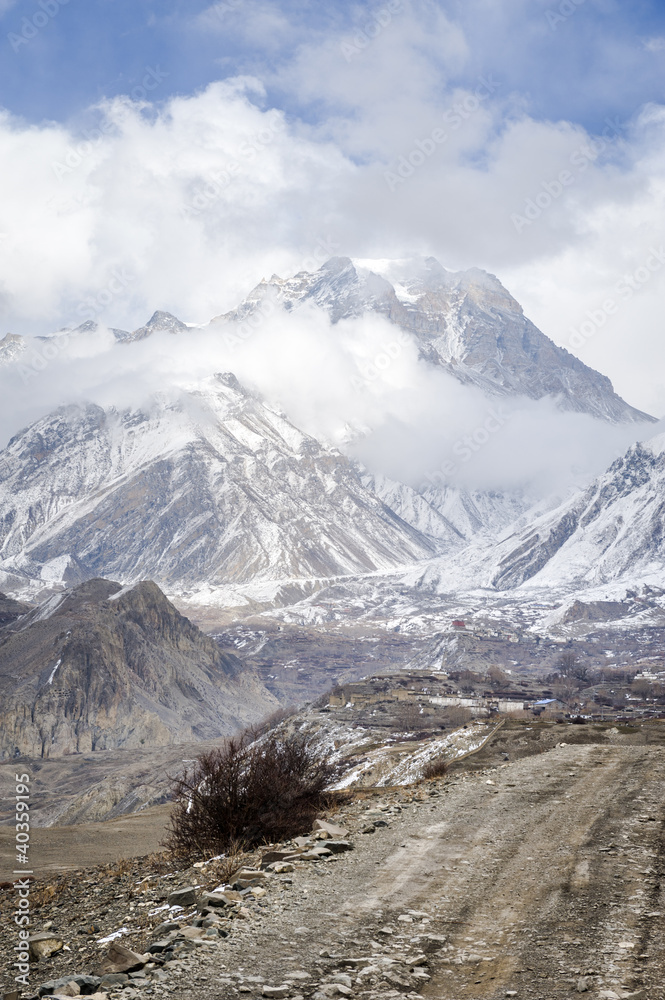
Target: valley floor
(544,874)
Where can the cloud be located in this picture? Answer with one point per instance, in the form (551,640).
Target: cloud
(185,204)
(358,385)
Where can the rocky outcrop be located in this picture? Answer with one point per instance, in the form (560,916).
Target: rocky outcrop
(102,666)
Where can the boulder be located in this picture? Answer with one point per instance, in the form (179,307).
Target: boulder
(276,991)
(251,873)
(44,944)
(86,985)
(271,856)
(339,846)
(281,867)
(215,899)
(159,946)
(182,897)
(114,979)
(334,831)
(122,959)
(432,942)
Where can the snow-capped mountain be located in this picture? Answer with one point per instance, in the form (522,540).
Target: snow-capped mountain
(465,322)
(207,487)
(613,531)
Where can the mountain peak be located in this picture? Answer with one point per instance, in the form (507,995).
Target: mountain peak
(464,322)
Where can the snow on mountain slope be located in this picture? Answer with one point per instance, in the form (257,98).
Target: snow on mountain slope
(451,517)
(11,348)
(465,322)
(612,532)
(212,486)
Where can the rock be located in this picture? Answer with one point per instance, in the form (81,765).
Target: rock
(44,944)
(121,959)
(159,946)
(85,984)
(432,942)
(251,873)
(369,829)
(168,925)
(182,897)
(72,989)
(276,991)
(583,984)
(281,867)
(336,832)
(271,856)
(114,979)
(339,846)
(216,899)
(343,978)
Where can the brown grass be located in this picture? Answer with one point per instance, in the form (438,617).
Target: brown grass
(436,768)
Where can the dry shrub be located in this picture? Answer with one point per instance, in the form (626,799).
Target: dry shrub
(435,768)
(246,793)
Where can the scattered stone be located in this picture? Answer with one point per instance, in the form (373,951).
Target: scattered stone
(282,867)
(583,984)
(276,991)
(369,829)
(182,897)
(44,944)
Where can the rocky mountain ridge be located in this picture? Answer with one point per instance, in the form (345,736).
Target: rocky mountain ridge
(613,531)
(104,666)
(464,322)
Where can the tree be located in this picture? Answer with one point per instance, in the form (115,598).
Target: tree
(497,678)
(247,792)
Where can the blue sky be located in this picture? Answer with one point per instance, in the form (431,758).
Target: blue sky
(587,65)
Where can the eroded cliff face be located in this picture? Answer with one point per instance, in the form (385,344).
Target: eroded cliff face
(102,667)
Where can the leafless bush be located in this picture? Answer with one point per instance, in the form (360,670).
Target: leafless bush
(246,793)
(435,768)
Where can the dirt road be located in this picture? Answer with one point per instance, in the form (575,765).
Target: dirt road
(537,877)
(544,875)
